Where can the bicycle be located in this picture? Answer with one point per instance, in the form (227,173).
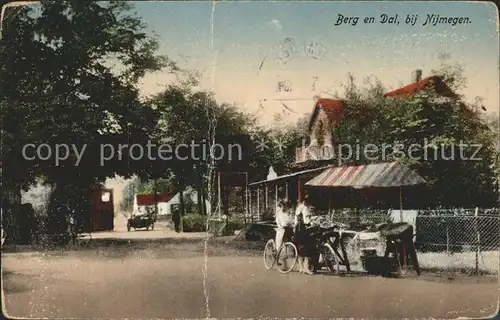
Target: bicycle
(325,256)
(272,255)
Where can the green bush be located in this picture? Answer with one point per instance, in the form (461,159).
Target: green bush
(237,217)
(268,215)
(218,227)
(236,222)
(193,222)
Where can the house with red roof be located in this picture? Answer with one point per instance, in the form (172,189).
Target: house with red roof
(166,202)
(434,83)
(328,113)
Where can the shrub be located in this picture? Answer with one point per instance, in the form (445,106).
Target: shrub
(236,222)
(268,214)
(193,222)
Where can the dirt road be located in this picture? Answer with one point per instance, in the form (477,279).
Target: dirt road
(167,280)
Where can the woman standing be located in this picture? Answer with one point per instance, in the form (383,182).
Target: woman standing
(304,240)
(283,222)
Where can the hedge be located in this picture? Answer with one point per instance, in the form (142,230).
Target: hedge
(194,222)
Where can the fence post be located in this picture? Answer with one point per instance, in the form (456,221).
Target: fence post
(266,204)
(447,237)
(249,205)
(477,239)
(219,200)
(276,195)
(258,203)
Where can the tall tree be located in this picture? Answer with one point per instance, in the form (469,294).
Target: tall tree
(184,119)
(69,73)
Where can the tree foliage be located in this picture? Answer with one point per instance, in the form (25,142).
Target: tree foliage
(437,136)
(68,75)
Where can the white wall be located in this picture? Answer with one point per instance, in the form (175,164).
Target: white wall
(164,207)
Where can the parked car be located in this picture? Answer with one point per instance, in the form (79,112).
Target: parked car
(141,220)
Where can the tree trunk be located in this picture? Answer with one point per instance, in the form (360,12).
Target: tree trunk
(155,198)
(11,216)
(181,206)
(225,200)
(243,200)
(199,196)
(203,201)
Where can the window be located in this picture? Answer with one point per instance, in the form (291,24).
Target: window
(105,196)
(320,132)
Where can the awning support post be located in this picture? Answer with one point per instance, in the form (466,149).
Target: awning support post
(401,220)
(286,190)
(276,194)
(299,189)
(249,192)
(258,204)
(266,205)
(219,200)
(247,198)
(400,204)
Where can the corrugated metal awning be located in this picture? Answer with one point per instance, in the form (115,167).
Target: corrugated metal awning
(391,174)
(286,176)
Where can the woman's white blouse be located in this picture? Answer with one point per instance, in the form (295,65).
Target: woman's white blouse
(283,218)
(306,213)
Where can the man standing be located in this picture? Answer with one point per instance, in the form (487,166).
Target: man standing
(176,218)
(71,224)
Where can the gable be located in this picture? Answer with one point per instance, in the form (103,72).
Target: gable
(326,109)
(321,117)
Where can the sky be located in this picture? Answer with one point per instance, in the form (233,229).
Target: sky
(236,46)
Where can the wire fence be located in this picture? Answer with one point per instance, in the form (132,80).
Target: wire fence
(450,239)
(459,239)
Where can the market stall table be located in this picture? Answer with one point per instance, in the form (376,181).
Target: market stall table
(399,239)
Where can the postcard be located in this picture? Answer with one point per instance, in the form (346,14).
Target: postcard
(250,159)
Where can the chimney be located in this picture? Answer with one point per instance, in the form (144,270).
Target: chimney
(417,75)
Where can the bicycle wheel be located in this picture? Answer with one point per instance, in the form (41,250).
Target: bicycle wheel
(329,258)
(287,257)
(269,254)
(84,238)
